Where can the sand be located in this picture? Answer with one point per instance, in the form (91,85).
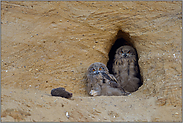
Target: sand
(45,45)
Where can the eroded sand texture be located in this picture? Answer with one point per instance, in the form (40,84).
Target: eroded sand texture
(45,45)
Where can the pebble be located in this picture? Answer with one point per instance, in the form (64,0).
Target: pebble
(61,92)
(67,114)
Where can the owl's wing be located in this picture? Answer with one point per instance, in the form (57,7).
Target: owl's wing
(109,76)
(114,83)
(113,78)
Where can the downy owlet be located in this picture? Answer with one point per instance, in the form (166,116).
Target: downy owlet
(125,68)
(100,82)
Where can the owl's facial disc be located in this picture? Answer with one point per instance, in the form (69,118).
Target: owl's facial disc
(126,53)
(97,68)
(95,71)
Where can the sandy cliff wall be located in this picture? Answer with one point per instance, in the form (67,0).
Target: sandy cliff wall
(51,44)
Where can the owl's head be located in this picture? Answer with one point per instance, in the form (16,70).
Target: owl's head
(126,52)
(97,68)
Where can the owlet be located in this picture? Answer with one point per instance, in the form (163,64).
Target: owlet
(100,82)
(125,68)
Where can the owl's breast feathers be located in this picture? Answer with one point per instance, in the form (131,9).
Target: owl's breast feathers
(123,67)
(93,78)
(124,61)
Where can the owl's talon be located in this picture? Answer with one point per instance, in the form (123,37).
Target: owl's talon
(93,93)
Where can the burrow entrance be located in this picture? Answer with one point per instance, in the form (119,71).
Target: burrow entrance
(122,39)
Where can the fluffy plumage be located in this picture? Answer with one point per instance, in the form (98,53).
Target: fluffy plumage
(125,68)
(100,82)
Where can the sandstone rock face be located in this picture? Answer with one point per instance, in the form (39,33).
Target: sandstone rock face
(46,45)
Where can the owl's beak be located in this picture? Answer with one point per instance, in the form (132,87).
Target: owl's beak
(97,72)
(125,54)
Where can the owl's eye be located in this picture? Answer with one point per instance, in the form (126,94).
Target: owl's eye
(128,51)
(121,51)
(100,68)
(93,69)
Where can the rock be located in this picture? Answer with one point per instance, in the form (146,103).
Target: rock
(61,92)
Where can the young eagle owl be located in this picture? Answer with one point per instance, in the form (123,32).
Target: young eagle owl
(100,82)
(125,68)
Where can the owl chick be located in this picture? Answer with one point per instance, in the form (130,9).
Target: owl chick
(100,82)
(125,68)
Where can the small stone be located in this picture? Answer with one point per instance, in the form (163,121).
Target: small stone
(67,114)
(61,92)
(176,113)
